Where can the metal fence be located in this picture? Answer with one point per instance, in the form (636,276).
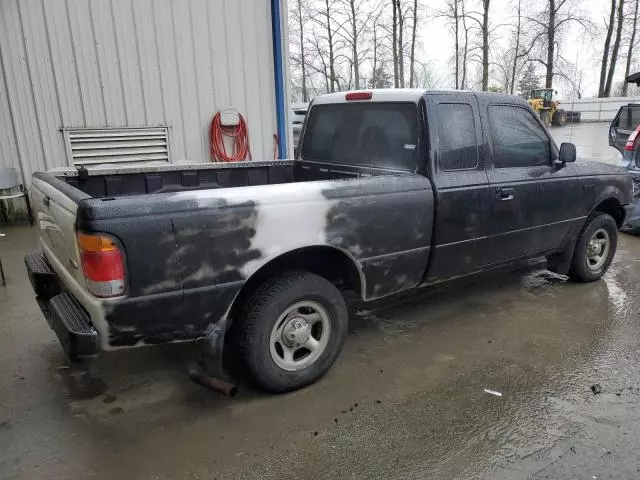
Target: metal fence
(598,109)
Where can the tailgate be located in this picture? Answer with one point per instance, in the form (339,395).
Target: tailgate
(55,204)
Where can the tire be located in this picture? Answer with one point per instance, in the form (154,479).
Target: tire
(562,119)
(264,326)
(559,118)
(585,267)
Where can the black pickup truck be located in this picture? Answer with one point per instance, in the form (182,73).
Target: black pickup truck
(391,190)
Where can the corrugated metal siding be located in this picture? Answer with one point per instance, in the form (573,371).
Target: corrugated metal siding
(131,63)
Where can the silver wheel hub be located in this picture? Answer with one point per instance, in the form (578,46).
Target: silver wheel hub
(594,247)
(296,332)
(598,249)
(300,335)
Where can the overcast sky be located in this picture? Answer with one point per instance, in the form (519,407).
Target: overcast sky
(438,42)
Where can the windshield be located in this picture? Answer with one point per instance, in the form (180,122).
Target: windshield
(543,94)
(367,134)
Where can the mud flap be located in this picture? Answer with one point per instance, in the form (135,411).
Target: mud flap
(208,370)
(561,262)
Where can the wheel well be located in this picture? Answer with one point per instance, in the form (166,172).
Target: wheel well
(328,262)
(613,207)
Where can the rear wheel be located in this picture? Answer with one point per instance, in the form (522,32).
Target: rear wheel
(595,248)
(560,118)
(291,331)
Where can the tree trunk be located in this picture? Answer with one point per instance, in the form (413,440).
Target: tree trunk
(605,54)
(457,32)
(412,55)
(616,48)
(354,34)
(485,45)
(302,56)
(551,43)
(394,42)
(374,76)
(400,44)
(514,67)
(332,60)
(463,83)
(625,85)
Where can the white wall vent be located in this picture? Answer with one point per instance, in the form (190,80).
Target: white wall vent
(117,145)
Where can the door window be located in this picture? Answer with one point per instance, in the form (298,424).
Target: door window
(517,138)
(629,118)
(457,136)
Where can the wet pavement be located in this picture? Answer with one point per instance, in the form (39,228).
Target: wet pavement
(406,398)
(591,141)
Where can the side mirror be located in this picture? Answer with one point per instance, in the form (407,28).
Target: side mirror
(567,152)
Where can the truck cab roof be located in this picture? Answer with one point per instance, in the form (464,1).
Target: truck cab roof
(409,95)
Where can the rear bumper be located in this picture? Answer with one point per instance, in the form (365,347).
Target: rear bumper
(63,313)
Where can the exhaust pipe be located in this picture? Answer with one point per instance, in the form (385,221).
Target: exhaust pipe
(199,376)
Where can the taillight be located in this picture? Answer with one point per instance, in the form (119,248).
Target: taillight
(632,139)
(102,265)
(358,96)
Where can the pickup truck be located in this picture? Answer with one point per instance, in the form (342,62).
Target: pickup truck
(391,190)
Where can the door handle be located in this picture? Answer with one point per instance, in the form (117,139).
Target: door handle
(46,200)
(505,193)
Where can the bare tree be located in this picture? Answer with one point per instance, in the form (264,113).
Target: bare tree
(517,54)
(632,41)
(605,53)
(300,14)
(548,27)
(465,47)
(394,40)
(485,44)
(324,19)
(316,46)
(481,22)
(616,48)
(355,30)
(412,55)
(424,75)
(453,14)
(400,30)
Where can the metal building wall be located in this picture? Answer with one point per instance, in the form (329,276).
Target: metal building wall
(115,63)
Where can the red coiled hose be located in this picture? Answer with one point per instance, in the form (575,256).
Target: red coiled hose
(240,135)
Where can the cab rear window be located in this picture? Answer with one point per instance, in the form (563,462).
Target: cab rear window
(367,134)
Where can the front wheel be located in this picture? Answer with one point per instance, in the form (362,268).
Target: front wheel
(291,331)
(595,248)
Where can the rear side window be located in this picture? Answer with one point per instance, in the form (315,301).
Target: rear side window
(517,138)
(457,136)
(366,134)
(629,118)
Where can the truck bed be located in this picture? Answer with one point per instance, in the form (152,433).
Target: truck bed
(190,243)
(125,181)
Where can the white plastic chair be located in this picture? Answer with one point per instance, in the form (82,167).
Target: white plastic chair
(11,187)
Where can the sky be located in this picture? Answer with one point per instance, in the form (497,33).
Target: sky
(438,43)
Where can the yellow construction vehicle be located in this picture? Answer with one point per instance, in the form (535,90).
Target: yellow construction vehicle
(542,102)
